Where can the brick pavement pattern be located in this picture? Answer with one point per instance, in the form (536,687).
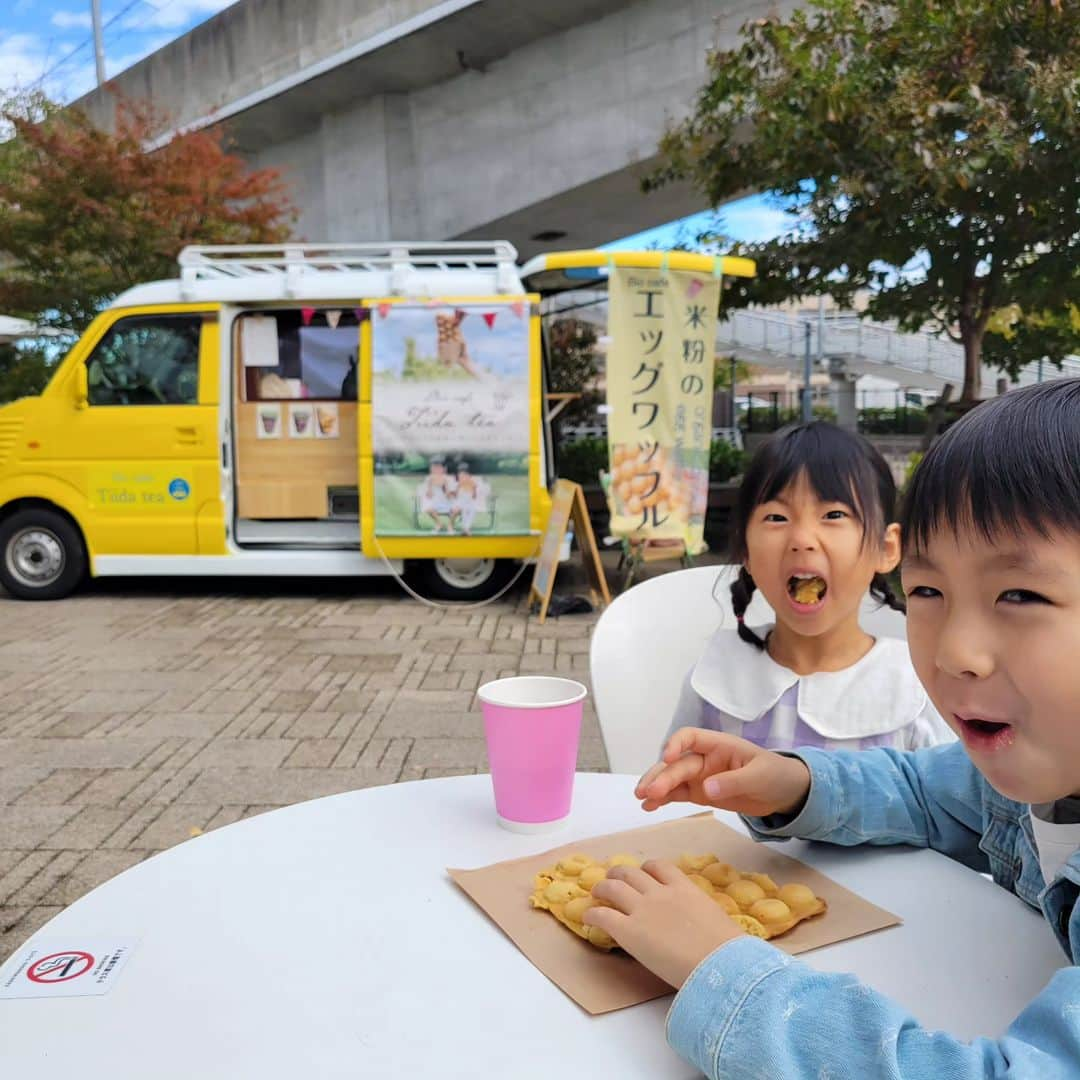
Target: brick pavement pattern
(132,718)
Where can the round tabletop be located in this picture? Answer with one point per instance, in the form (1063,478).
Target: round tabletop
(326,940)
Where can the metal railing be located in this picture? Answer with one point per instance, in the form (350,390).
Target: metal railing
(246,260)
(877,343)
(295,268)
(572,433)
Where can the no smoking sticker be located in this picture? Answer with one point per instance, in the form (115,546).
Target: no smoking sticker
(64,968)
(59,967)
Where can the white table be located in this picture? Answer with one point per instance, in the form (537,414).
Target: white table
(267,951)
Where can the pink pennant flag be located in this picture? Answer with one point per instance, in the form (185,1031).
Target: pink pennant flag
(333,318)
(384,310)
(489,318)
(694,288)
(518,308)
(307,314)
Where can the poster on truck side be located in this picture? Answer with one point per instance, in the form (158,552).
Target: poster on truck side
(450,406)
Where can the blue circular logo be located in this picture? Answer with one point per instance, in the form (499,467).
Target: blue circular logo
(179,489)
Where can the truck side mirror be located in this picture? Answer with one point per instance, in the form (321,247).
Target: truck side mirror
(82,387)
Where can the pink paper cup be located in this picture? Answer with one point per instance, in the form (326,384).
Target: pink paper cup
(532,724)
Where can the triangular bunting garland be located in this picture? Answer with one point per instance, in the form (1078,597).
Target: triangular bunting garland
(489,318)
(307,314)
(333,318)
(518,308)
(384,310)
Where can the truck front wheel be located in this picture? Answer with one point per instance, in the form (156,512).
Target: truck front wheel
(42,555)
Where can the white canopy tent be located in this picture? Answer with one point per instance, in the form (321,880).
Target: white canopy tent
(12,329)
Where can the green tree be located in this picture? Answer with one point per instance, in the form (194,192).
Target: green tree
(744,372)
(86,213)
(573,367)
(928,150)
(1015,336)
(24,371)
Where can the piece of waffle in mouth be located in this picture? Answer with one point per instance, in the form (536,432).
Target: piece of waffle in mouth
(808,590)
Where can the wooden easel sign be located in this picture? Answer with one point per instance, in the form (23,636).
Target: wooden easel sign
(568,501)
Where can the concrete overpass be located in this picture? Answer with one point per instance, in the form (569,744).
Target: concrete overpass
(450,119)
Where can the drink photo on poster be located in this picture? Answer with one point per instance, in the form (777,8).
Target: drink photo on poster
(301,421)
(450,420)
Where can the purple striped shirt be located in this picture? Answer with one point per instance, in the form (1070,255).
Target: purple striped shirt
(781,727)
(877,701)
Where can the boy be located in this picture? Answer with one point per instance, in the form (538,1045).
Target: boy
(991,536)
(435,492)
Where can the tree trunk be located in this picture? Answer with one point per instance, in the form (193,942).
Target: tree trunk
(972,341)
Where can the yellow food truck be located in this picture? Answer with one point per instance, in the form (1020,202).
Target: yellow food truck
(331,410)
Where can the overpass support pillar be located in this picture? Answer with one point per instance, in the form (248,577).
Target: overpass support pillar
(842,394)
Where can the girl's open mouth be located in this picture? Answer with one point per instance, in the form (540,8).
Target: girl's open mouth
(807,591)
(985,734)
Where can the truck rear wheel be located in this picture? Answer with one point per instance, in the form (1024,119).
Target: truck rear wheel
(42,555)
(460,579)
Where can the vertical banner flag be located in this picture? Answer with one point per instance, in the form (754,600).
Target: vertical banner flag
(662,326)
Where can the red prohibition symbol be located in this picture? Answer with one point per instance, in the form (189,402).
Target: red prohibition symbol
(60,967)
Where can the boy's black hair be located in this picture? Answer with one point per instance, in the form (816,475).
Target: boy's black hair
(840,466)
(1010,466)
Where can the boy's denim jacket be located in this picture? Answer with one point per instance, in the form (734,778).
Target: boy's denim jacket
(725,1018)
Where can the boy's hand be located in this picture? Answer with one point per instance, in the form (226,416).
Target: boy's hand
(723,771)
(661,918)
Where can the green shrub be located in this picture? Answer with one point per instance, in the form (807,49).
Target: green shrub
(913,463)
(725,461)
(581,461)
(907,420)
(765,418)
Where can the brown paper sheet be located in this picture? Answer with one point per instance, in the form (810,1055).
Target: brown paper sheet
(603,982)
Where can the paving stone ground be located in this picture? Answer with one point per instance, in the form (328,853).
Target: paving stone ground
(133,714)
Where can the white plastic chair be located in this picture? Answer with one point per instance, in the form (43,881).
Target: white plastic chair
(644,643)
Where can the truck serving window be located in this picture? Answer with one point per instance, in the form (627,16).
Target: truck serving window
(285,357)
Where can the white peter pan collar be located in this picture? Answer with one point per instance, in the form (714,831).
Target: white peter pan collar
(877,695)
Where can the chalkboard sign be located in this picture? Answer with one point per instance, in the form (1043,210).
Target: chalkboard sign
(568,502)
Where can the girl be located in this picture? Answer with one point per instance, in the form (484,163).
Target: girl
(467,499)
(992,575)
(813,530)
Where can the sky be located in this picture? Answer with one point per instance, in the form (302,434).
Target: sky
(48,43)
(757,217)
